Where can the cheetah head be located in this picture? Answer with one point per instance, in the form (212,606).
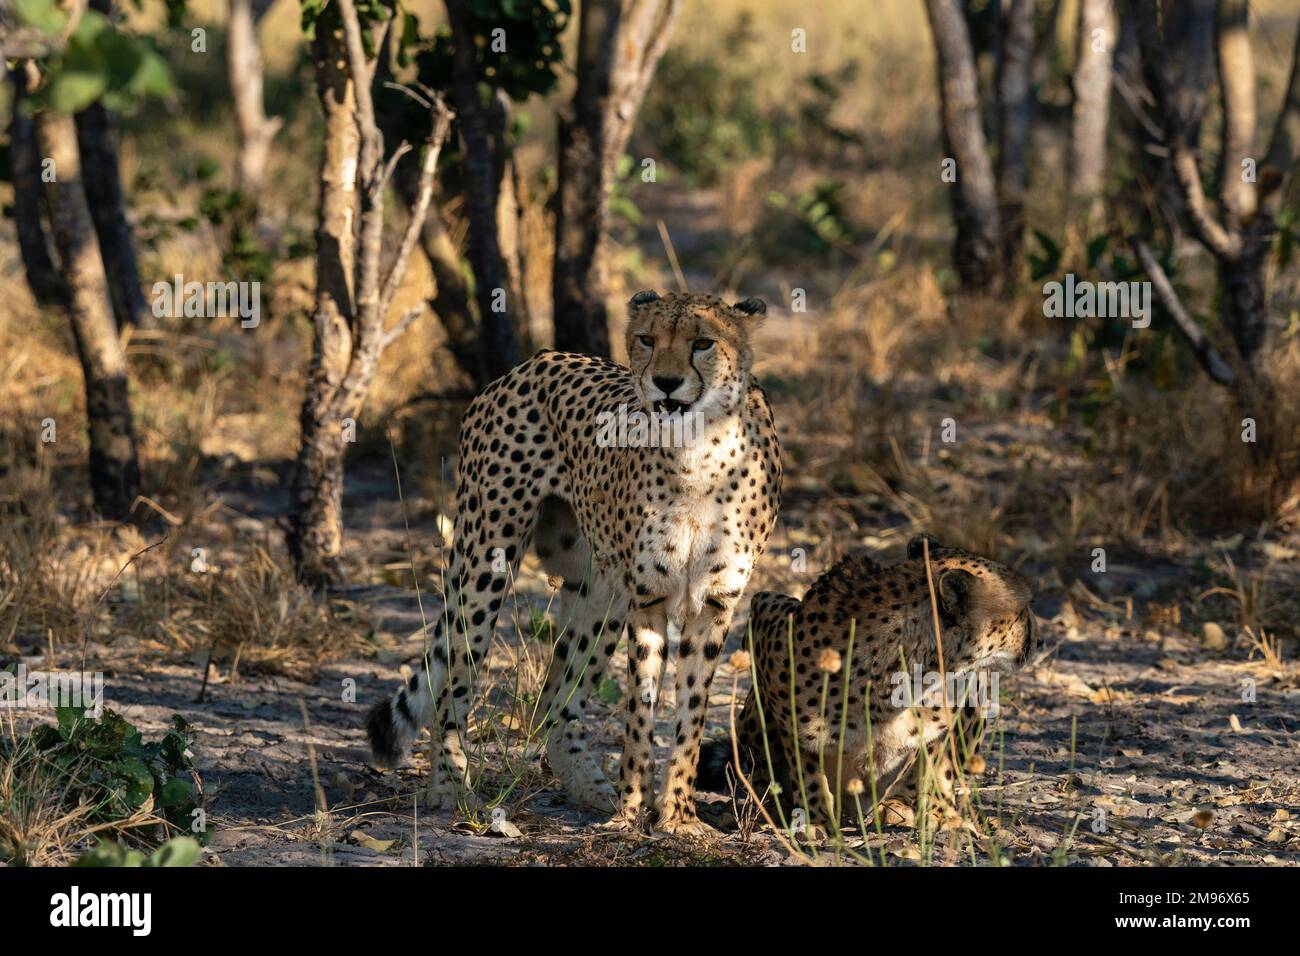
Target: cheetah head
(983,608)
(690,351)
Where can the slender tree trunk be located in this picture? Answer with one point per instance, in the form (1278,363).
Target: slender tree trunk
(510,220)
(114,469)
(1236,69)
(98,139)
(1243,306)
(315,539)
(620,43)
(25,164)
(352,297)
(498,348)
(244,71)
(1189,42)
(1094,56)
(451,300)
(97,136)
(974,197)
(1015,117)
(1045,45)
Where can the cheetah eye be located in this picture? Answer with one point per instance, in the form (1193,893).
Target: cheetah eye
(702,345)
(647,340)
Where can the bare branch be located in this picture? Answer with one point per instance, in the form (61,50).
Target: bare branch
(1284,148)
(442,117)
(1133,101)
(1210,360)
(498,345)
(402,149)
(402,324)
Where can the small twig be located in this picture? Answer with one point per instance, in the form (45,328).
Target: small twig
(207,669)
(442,117)
(753,794)
(1131,100)
(404,323)
(166,515)
(85,640)
(672,257)
(407,91)
(1210,360)
(402,149)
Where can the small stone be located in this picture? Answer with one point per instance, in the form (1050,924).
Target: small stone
(1213,637)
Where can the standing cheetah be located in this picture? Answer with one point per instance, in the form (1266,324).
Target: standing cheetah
(986,626)
(669,536)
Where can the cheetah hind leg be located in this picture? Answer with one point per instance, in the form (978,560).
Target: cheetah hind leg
(592,613)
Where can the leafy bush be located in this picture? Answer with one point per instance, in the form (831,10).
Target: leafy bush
(178,851)
(703,116)
(98,774)
(98,63)
(812,223)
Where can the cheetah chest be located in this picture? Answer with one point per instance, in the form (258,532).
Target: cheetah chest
(690,551)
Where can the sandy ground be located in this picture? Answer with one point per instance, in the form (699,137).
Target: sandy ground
(1121,744)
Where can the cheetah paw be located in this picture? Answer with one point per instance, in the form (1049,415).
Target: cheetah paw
(896,813)
(445,795)
(623,823)
(692,827)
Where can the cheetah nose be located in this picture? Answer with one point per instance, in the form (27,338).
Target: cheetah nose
(666,383)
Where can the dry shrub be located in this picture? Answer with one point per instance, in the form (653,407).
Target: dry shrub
(251,614)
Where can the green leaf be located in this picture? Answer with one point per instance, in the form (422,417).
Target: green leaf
(152,78)
(1096,247)
(44,15)
(608,691)
(175,792)
(178,851)
(110,854)
(410,37)
(136,781)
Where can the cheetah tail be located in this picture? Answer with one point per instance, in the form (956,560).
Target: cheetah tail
(715,758)
(393,723)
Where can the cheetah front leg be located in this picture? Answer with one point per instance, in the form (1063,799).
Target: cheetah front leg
(645,665)
(701,644)
(929,784)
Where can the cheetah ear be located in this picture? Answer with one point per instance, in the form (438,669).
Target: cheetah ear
(644,297)
(955,589)
(751,306)
(916,547)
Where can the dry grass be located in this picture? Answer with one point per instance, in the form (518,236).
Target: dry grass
(52,809)
(1059,449)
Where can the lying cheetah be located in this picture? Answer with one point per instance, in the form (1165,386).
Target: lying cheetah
(663,533)
(985,625)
